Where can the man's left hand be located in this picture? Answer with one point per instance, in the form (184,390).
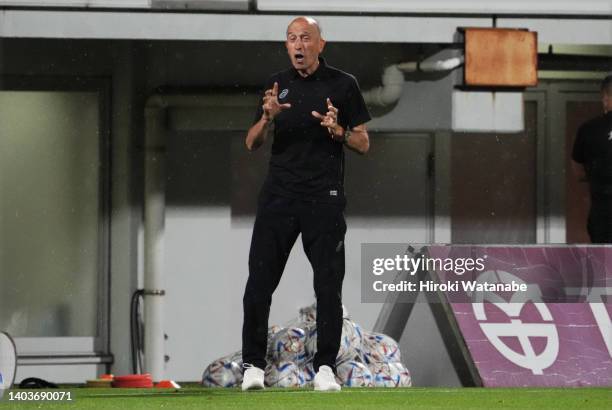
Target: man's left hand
(330,121)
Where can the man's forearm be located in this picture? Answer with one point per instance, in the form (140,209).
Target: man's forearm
(257,134)
(579,172)
(359,140)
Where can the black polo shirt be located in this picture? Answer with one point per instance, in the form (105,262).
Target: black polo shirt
(306,162)
(593,149)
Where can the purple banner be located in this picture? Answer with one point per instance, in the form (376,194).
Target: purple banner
(532,343)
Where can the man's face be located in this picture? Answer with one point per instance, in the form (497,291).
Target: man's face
(304,44)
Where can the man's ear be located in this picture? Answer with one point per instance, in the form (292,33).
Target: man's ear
(321,45)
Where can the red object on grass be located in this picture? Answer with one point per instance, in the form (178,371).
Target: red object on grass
(107,377)
(167,384)
(134,381)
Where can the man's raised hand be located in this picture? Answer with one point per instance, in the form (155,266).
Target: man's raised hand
(270,106)
(330,121)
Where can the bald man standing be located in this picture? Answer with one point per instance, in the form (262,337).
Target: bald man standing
(317,110)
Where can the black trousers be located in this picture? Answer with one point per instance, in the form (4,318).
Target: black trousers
(599,223)
(278,223)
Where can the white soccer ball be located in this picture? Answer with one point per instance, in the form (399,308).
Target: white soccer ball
(222,373)
(350,341)
(354,374)
(308,373)
(272,332)
(288,345)
(308,315)
(311,341)
(274,329)
(390,375)
(235,357)
(284,374)
(377,347)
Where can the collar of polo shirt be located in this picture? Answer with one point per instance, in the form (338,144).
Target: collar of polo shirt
(319,72)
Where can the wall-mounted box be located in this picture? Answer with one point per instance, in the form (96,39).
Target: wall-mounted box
(498,57)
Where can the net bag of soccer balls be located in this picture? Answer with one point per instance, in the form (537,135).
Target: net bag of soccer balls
(365,359)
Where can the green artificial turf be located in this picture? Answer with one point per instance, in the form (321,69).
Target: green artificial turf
(348,398)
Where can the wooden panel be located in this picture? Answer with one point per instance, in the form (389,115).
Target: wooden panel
(500,57)
(493,185)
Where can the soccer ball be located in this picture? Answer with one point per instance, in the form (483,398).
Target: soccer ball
(350,341)
(222,373)
(272,331)
(364,359)
(284,374)
(308,373)
(235,357)
(390,375)
(311,340)
(354,374)
(308,315)
(288,345)
(377,347)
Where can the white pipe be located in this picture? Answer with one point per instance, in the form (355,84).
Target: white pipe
(393,79)
(432,66)
(154,237)
(154,215)
(390,91)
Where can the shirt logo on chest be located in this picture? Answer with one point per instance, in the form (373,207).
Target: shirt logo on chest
(283,93)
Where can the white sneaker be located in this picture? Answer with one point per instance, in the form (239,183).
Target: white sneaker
(325,380)
(253,378)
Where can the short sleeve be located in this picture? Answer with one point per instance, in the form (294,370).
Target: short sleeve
(356,107)
(578,151)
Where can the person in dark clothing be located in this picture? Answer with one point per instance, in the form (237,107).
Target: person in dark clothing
(316,110)
(592,156)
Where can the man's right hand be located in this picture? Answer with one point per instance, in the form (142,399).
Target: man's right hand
(270,106)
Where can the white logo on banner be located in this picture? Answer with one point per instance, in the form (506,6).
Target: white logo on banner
(600,312)
(528,358)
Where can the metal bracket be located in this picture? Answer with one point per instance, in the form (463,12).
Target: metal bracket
(153,292)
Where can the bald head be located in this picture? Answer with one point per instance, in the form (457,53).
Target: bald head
(304,44)
(308,21)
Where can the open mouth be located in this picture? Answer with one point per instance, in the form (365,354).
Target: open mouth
(299,57)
